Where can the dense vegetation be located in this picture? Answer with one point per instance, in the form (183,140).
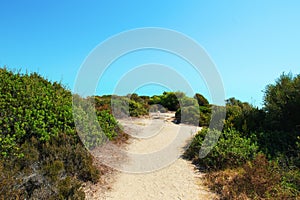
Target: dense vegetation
(188,110)
(257,155)
(41,155)
(123,106)
(196,110)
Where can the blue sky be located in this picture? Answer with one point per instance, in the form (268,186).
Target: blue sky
(251,42)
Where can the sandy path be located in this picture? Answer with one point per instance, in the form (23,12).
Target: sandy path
(168,178)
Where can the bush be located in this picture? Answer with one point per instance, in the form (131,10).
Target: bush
(124,106)
(54,169)
(275,129)
(108,124)
(205,116)
(137,109)
(170,101)
(41,156)
(202,101)
(257,179)
(157,108)
(275,143)
(282,102)
(32,106)
(231,150)
(188,115)
(198,116)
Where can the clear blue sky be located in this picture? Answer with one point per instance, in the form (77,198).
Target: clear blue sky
(251,42)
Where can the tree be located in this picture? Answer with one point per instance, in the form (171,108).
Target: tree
(282,103)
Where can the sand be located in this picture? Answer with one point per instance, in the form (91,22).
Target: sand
(150,166)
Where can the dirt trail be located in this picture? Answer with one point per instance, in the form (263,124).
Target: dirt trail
(178,180)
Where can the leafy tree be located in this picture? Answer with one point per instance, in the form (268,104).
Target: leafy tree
(243,117)
(282,103)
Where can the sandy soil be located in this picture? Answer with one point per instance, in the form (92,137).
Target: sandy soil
(151,165)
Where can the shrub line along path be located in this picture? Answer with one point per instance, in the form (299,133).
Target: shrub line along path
(179,180)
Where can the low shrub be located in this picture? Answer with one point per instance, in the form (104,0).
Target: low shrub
(256,179)
(137,109)
(196,115)
(54,169)
(231,149)
(188,115)
(157,108)
(108,124)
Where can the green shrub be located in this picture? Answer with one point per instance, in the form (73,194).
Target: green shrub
(170,101)
(205,116)
(274,128)
(199,116)
(275,143)
(93,126)
(124,106)
(32,106)
(188,115)
(202,101)
(108,124)
(41,156)
(231,149)
(137,109)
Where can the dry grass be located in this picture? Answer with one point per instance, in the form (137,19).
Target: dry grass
(259,179)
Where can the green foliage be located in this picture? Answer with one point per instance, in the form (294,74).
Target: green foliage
(42,157)
(87,123)
(120,106)
(282,102)
(255,122)
(275,143)
(188,115)
(156,99)
(189,110)
(108,124)
(202,101)
(232,149)
(32,106)
(170,101)
(243,117)
(273,130)
(205,116)
(193,111)
(103,102)
(282,120)
(123,106)
(137,109)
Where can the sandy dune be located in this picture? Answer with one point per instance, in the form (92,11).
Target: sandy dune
(151,165)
